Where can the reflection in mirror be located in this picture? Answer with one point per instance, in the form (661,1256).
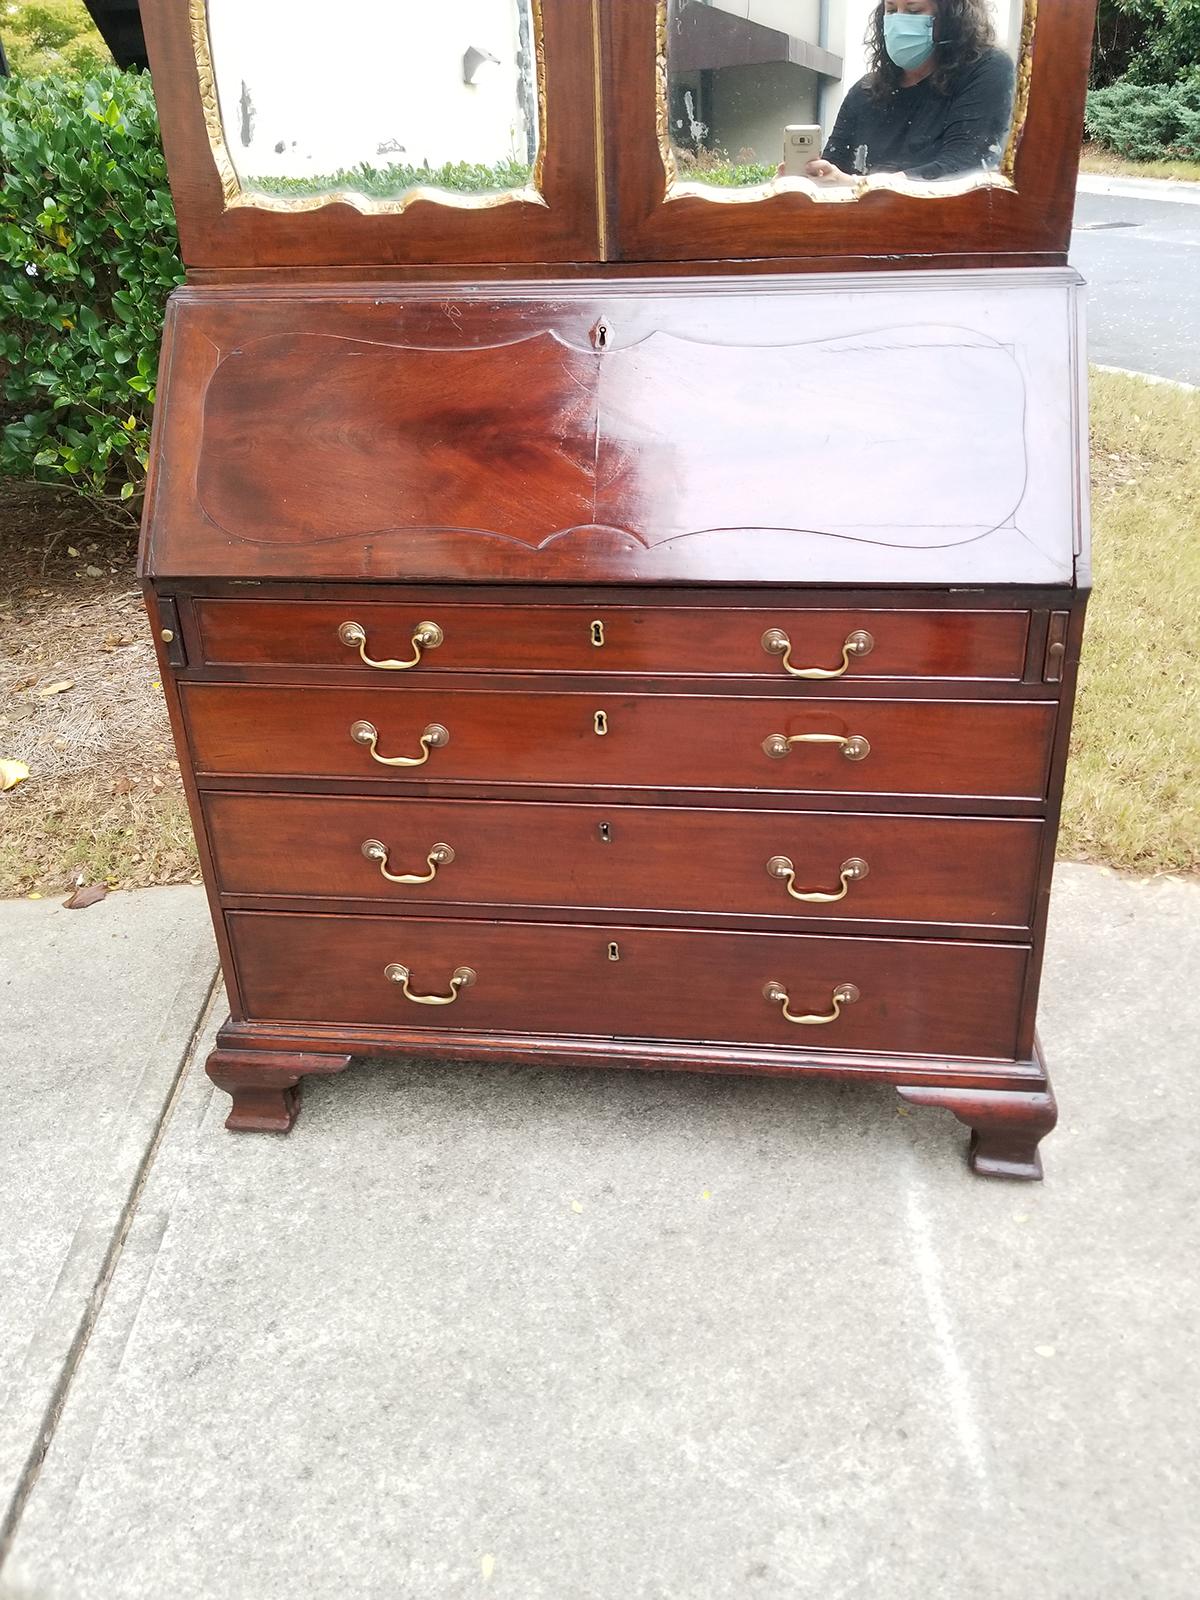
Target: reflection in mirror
(372,100)
(837,97)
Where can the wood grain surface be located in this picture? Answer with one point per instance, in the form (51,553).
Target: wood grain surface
(917,996)
(696,641)
(995,748)
(624,858)
(856,431)
(528,439)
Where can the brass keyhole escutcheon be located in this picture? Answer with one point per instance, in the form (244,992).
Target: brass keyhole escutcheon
(614,951)
(598,634)
(600,723)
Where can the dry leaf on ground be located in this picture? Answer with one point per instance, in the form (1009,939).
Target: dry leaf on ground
(58,687)
(85,897)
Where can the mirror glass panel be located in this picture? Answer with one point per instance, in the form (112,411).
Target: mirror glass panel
(838,97)
(372,101)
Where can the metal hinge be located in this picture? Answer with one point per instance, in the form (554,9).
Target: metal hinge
(1056,647)
(169,631)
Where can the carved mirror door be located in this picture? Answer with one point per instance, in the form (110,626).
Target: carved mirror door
(841,128)
(379,132)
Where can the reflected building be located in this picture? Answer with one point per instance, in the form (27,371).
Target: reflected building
(743,70)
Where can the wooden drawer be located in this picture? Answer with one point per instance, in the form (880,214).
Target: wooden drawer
(917,996)
(917,747)
(948,870)
(601,638)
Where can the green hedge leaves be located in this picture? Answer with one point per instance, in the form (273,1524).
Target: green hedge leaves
(89,253)
(1147,122)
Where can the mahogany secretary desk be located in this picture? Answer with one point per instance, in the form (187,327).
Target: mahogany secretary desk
(619,604)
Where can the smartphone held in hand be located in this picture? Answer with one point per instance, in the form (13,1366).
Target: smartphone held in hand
(801,144)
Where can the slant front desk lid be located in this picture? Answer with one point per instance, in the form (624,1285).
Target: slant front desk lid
(918,428)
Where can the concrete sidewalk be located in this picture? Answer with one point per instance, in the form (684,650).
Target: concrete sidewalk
(622,1336)
(1178,191)
(98,1013)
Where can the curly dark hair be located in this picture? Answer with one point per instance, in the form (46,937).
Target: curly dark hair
(962,32)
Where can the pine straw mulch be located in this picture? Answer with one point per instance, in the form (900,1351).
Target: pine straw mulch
(81,706)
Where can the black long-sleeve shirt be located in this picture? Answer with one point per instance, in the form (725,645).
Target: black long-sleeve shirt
(923,133)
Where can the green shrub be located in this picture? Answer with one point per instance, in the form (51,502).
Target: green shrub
(463,177)
(1145,41)
(1147,122)
(730,175)
(718,167)
(88,255)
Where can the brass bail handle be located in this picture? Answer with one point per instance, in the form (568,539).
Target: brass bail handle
(844,995)
(776,643)
(462,978)
(854,870)
(434,737)
(426,636)
(853,746)
(441,855)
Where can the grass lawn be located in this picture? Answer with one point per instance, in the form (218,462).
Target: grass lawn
(1133,784)
(81,705)
(78,830)
(1108,165)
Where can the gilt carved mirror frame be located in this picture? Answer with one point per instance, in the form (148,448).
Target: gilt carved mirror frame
(1020,211)
(237,193)
(224,224)
(999,177)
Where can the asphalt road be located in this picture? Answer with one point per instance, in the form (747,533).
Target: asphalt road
(1141,259)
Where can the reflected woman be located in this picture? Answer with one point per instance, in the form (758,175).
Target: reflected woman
(936,103)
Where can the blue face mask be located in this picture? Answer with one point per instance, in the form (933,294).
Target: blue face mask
(908,39)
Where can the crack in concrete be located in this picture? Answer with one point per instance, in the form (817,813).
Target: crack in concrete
(48,1426)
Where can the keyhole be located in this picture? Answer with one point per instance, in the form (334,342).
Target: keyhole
(605,833)
(600,335)
(597,633)
(600,722)
(614,951)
